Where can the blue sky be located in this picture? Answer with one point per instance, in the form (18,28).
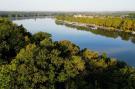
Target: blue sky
(67,5)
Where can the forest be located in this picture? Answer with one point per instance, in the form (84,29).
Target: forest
(114,22)
(35,61)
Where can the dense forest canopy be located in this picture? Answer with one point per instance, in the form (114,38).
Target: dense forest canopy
(35,61)
(124,24)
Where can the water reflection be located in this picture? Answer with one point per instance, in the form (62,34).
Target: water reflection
(112,34)
(115,44)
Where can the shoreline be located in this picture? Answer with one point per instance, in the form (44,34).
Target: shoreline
(93,26)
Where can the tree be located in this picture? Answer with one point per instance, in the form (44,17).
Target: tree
(68,49)
(40,36)
(45,64)
(12,39)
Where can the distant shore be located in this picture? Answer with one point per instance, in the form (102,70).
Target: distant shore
(93,26)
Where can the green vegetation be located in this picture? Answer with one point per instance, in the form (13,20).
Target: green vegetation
(37,62)
(131,15)
(25,14)
(111,34)
(12,39)
(115,23)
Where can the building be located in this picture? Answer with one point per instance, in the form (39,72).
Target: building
(84,16)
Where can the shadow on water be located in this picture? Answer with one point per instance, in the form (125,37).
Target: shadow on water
(111,34)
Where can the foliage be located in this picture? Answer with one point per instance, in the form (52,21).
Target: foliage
(123,24)
(12,39)
(44,64)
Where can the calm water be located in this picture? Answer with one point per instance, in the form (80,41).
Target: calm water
(120,46)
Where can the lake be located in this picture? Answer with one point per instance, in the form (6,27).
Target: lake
(115,44)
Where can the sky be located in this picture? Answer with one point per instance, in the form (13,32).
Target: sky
(67,5)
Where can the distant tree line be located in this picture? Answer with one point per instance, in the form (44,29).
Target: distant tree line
(131,15)
(34,61)
(25,14)
(107,33)
(124,24)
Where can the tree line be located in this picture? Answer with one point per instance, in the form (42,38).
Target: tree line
(35,61)
(111,34)
(124,24)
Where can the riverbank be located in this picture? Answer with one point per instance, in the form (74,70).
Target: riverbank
(40,62)
(98,40)
(93,26)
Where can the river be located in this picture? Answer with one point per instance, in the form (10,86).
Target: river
(117,45)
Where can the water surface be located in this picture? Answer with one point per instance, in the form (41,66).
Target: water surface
(116,45)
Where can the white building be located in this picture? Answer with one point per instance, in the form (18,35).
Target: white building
(85,16)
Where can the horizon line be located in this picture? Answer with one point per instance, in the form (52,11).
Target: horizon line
(66,11)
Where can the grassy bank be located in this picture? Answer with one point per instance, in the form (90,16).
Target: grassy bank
(109,23)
